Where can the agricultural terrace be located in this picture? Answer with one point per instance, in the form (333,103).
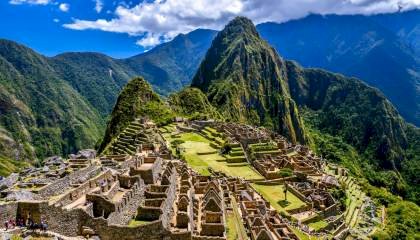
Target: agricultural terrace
(275,195)
(201,153)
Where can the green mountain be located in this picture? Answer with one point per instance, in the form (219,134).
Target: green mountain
(351,109)
(97,77)
(41,114)
(243,78)
(193,103)
(137,99)
(169,67)
(382,50)
(360,116)
(58,105)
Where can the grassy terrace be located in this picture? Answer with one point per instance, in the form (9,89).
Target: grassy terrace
(303,236)
(275,195)
(318,225)
(232,227)
(195,152)
(135,223)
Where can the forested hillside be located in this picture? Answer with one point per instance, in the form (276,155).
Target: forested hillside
(41,114)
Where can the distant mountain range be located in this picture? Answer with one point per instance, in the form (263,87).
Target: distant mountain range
(244,79)
(382,50)
(58,105)
(82,88)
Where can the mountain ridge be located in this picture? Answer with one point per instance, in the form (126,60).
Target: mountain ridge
(242,76)
(41,113)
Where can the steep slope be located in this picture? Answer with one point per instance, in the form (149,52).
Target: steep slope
(40,113)
(404,24)
(244,78)
(246,81)
(95,76)
(358,46)
(170,66)
(362,117)
(136,100)
(193,103)
(349,108)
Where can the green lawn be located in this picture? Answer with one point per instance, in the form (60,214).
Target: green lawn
(302,236)
(195,143)
(200,163)
(135,223)
(232,230)
(274,194)
(318,225)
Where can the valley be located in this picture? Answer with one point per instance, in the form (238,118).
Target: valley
(257,147)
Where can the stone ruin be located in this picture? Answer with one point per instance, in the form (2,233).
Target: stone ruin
(137,190)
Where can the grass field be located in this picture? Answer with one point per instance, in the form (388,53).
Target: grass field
(232,230)
(8,166)
(275,195)
(318,225)
(135,223)
(195,143)
(303,236)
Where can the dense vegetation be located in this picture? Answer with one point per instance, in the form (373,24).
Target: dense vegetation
(243,78)
(95,76)
(40,114)
(193,104)
(382,50)
(361,117)
(169,67)
(58,105)
(402,217)
(136,100)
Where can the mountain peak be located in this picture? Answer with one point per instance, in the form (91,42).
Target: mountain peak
(241,25)
(245,79)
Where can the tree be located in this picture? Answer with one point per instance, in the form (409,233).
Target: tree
(285,172)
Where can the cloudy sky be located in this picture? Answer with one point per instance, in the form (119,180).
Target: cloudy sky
(123,28)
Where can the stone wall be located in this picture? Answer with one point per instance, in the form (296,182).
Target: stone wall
(128,207)
(102,207)
(184,235)
(60,186)
(85,188)
(297,193)
(8,211)
(167,207)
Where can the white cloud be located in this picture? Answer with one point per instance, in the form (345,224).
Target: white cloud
(161,20)
(150,40)
(56,20)
(32,2)
(98,5)
(64,7)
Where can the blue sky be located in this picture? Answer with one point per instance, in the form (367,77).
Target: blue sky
(122,28)
(41,28)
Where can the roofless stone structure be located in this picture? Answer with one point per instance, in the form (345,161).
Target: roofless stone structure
(139,190)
